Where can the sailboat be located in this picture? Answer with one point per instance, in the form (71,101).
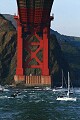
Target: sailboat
(67,97)
(61,88)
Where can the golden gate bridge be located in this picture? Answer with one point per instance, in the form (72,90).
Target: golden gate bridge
(33,32)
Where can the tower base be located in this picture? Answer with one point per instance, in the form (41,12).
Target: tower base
(33,81)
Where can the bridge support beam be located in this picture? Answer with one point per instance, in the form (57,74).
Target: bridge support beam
(45,70)
(19,67)
(23,43)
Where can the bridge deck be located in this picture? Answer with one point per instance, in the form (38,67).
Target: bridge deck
(34,12)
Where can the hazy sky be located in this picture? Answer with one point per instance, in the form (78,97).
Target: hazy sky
(66,15)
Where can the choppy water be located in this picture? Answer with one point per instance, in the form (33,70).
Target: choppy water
(38,104)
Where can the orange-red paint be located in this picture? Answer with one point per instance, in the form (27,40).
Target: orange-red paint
(29,22)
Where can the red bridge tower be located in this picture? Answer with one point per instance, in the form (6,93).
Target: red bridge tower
(33,30)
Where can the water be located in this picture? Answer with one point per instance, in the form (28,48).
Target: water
(38,104)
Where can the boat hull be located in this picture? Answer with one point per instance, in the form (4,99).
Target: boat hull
(66,99)
(60,90)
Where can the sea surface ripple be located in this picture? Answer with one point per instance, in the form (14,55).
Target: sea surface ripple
(37,104)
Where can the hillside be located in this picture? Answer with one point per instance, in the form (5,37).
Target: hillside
(7,50)
(11,19)
(70,47)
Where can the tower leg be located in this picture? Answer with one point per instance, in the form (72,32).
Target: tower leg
(45,70)
(19,69)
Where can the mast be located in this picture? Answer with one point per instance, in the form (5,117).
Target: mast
(68,84)
(62,78)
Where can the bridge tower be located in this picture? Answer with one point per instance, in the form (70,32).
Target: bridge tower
(33,30)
